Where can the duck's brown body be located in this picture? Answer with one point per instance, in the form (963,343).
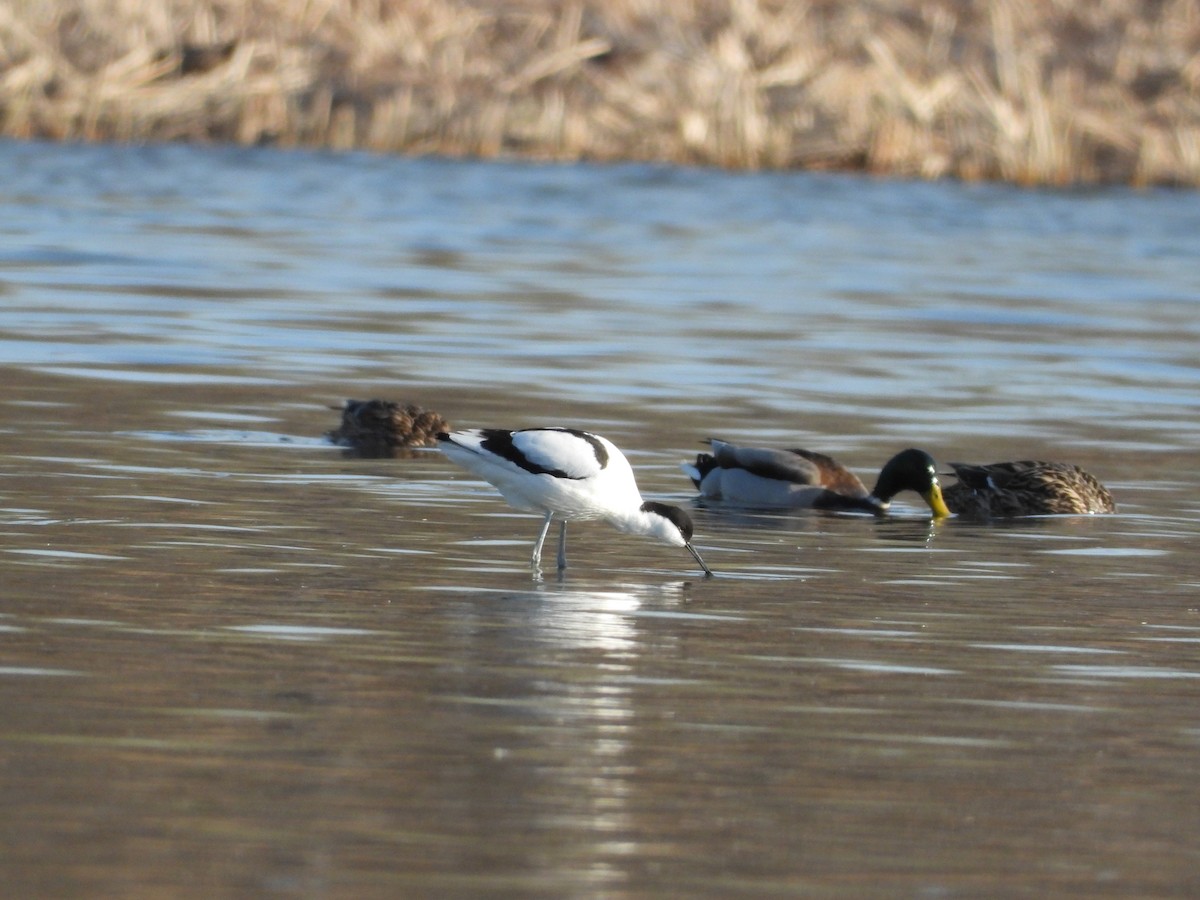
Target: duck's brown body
(1025,488)
(381,427)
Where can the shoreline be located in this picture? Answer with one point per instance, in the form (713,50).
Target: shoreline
(999,90)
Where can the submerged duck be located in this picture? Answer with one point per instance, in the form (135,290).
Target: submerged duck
(800,479)
(804,479)
(381,428)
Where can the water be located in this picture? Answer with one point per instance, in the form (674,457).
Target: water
(235,661)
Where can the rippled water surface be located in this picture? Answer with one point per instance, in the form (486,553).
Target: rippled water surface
(238,661)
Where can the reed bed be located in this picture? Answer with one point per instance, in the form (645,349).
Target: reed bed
(1029,91)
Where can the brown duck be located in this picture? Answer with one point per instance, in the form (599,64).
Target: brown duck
(384,428)
(1026,488)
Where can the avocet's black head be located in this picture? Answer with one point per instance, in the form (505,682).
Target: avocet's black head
(673,525)
(911,470)
(673,514)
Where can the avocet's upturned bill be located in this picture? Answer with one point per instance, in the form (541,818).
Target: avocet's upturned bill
(567,474)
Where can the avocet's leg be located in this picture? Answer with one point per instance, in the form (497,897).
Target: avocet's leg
(536,561)
(562,545)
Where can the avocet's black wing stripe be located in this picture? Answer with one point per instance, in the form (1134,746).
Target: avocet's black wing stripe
(558,452)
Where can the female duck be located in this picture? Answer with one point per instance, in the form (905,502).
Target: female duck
(1026,488)
(382,428)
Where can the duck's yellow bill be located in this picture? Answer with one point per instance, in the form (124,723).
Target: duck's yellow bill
(933,497)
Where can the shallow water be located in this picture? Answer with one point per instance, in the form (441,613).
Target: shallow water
(237,661)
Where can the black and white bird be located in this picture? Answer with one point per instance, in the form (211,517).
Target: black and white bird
(567,474)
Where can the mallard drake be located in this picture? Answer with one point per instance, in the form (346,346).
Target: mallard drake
(804,479)
(381,427)
(1026,488)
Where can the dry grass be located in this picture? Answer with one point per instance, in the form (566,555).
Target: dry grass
(1053,91)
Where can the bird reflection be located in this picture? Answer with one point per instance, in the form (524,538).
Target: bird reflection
(559,707)
(602,618)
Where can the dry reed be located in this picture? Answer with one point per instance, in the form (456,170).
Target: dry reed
(1046,92)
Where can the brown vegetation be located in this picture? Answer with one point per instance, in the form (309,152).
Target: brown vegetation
(1033,91)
